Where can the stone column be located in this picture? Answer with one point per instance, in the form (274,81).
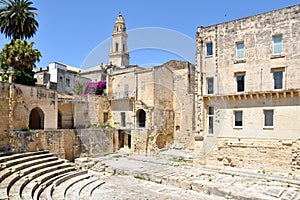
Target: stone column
(10,72)
(1,74)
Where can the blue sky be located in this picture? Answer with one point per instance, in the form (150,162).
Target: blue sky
(69,29)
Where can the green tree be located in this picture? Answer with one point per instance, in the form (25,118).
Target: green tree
(17,19)
(78,88)
(22,56)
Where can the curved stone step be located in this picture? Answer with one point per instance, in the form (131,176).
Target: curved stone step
(44,158)
(87,191)
(20,155)
(40,191)
(17,188)
(74,191)
(8,182)
(14,162)
(8,171)
(59,188)
(29,189)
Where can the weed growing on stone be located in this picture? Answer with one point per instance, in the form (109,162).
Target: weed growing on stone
(181,160)
(141,178)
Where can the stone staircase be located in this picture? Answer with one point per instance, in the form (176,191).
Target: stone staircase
(41,175)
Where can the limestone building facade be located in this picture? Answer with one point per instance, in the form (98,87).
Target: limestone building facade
(248,91)
(152,107)
(60,77)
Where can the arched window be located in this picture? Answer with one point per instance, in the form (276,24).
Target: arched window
(141,118)
(36,119)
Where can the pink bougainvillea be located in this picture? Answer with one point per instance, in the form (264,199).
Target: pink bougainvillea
(94,88)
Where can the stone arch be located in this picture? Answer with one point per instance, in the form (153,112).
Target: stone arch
(141,118)
(36,119)
(160,141)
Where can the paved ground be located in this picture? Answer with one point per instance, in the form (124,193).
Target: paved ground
(167,177)
(124,187)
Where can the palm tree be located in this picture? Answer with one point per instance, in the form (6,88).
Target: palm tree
(22,56)
(17,19)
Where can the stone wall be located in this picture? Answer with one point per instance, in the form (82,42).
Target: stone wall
(262,155)
(17,102)
(4,111)
(25,98)
(95,142)
(183,103)
(67,143)
(251,144)
(60,142)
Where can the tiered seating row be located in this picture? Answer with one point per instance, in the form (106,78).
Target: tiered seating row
(41,175)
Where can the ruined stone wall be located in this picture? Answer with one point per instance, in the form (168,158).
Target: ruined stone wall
(17,102)
(66,111)
(67,143)
(184,106)
(59,142)
(81,114)
(95,142)
(103,108)
(261,155)
(4,112)
(26,98)
(163,113)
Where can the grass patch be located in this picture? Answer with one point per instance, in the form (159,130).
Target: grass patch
(141,178)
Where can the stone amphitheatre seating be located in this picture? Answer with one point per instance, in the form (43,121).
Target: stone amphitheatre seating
(41,175)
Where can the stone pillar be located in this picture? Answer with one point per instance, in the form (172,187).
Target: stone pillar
(10,72)
(199,152)
(1,74)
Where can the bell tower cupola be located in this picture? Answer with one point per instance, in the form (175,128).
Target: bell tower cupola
(119,55)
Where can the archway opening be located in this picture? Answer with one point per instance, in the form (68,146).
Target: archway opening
(59,121)
(141,118)
(36,119)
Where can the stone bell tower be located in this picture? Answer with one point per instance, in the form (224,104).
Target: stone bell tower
(119,55)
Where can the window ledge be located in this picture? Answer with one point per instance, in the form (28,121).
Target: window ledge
(268,127)
(237,61)
(237,127)
(274,56)
(210,56)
